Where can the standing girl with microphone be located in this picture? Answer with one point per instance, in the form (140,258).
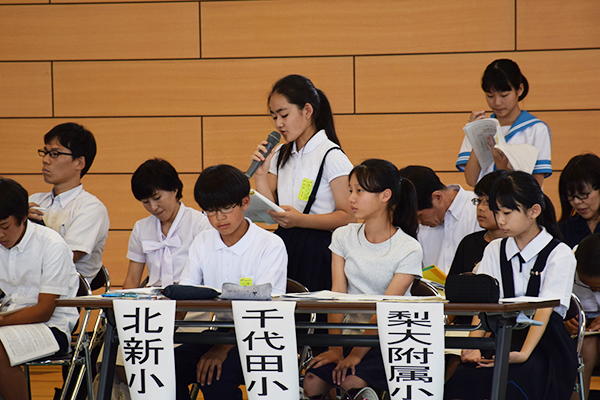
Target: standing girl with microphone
(307,177)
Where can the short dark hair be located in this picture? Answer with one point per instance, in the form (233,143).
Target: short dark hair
(484,186)
(425,181)
(581,170)
(503,75)
(588,256)
(155,174)
(76,138)
(221,186)
(14,200)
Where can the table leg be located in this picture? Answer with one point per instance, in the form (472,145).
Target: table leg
(107,370)
(503,338)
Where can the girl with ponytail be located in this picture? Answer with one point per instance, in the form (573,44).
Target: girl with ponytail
(531,261)
(505,86)
(379,256)
(307,177)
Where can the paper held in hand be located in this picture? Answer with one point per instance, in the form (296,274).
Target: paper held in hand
(521,157)
(257,210)
(28,342)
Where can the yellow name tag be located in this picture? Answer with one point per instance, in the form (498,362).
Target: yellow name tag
(305,189)
(245,281)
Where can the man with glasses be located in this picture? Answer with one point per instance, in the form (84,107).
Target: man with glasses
(80,218)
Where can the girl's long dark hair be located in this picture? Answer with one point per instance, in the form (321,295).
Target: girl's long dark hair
(518,190)
(375,176)
(503,75)
(299,90)
(581,170)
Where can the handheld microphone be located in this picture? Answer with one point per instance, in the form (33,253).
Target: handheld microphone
(272,140)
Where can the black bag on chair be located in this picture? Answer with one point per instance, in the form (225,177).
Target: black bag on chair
(472,288)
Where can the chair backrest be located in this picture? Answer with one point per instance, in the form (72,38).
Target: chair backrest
(101,279)
(423,288)
(576,310)
(293,286)
(84,287)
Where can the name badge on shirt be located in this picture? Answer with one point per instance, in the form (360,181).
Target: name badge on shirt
(305,189)
(245,281)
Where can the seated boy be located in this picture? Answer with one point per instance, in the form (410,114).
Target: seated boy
(36,268)
(236,249)
(79,217)
(587,288)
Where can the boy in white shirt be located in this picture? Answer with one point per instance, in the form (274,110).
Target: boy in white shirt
(236,249)
(36,268)
(79,217)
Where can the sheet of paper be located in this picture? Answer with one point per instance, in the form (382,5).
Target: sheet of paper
(27,342)
(478,132)
(257,210)
(525,299)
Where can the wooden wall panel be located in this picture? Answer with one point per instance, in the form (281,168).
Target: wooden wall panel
(206,87)
(114,256)
(25,89)
(123,143)
(452,82)
(557,24)
(273,29)
(100,31)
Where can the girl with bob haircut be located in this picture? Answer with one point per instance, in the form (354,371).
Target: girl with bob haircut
(307,177)
(579,190)
(379,256)
(529,262)
(161,241)
(505,86)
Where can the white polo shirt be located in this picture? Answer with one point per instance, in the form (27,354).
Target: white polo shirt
(40,263)
(82,220)
(165,256)
(301,171)
(259,255)
(556,280)
(440,242)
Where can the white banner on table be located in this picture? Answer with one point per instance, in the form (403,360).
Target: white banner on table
(266,337)
(145,329)
(411,336)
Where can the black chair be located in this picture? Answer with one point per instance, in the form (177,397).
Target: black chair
(423,288)
(575,310)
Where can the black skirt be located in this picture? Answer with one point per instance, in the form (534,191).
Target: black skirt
(309,257)
(548,374)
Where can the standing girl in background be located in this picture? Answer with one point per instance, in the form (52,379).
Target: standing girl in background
(379,256)
(504,86)
(307,177)
(531,262)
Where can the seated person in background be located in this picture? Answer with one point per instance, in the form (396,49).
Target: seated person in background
(380,256)
(162,240)
(579,189)
(79,217)
(587,288)
(470,250)
(236,249)
(446,215)
(36,268)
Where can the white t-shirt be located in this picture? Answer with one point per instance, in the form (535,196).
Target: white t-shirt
(556,280)
(590,301)
(296,178)
(82,220)
(526,130)
(440,242)
(259,255)
(165,256)
(40,263)
(370,267)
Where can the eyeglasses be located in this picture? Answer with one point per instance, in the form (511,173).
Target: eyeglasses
(477,201)
(580,196)
(224,210)
(52,153)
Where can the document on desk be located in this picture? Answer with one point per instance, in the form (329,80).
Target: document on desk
(27,342)
(525,299)
(337,296)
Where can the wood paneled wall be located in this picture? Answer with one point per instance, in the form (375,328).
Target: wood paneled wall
(187,81)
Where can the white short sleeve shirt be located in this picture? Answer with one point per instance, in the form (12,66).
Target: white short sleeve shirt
(302,169)
(40,263)
(259,255)
(556,280)
(82,220)
(440,242)
(165,256)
